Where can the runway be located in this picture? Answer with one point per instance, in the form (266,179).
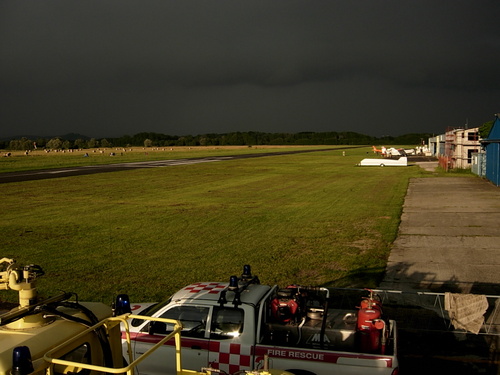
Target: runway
(43,174)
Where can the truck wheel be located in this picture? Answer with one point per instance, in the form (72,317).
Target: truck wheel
(382,165)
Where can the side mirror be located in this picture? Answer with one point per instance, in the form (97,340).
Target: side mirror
(157,327)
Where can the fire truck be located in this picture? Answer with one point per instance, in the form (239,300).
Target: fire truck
(232,326)
(61,336)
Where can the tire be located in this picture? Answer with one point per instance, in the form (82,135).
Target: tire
(382,165)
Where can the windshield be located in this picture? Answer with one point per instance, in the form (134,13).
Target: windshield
(149,311)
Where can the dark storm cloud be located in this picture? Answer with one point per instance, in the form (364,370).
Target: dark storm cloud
(190,67)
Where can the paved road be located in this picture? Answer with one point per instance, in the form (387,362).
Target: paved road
(449,237)
(448,241)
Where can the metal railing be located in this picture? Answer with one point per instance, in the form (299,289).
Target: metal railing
(109,323)
(412,303)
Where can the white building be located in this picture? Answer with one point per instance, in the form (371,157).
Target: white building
(459,146)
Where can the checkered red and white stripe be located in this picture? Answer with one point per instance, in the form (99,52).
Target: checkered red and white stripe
(229,357)
(213,288)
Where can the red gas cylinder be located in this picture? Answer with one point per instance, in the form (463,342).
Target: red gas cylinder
(369,330)
(369,325)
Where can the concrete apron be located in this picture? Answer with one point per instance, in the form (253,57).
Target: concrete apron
(449,238)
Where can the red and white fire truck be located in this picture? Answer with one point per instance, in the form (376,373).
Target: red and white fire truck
(231,326)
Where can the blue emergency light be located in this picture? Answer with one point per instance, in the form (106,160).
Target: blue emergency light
(233,283)
(122,304)
(21,361)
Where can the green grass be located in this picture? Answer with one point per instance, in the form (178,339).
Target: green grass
(312,219)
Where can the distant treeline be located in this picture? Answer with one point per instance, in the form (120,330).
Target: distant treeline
(148,139)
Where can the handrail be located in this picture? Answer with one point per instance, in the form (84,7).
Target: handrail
(176,333)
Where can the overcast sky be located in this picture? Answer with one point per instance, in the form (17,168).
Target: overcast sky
(108,68)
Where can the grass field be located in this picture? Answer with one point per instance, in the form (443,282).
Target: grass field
(311,218)
(39,159)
